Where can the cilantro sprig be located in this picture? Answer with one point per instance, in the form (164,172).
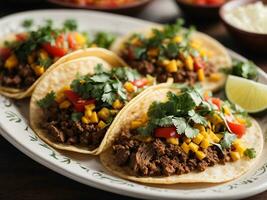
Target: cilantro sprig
(47,101)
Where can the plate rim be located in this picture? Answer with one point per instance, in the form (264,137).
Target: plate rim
(93,182)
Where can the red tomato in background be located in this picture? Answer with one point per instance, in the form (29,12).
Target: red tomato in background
(5,52)
(140,83)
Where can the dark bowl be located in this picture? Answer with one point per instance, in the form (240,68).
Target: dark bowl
(199,12)
(256,42)
(128,9)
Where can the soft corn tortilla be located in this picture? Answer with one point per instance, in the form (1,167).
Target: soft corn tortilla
(60,76)
(105,54)
(214,174)
(219,56)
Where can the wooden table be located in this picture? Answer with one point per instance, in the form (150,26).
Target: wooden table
(23,178)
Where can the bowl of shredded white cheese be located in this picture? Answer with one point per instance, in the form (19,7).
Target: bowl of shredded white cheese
(246,20)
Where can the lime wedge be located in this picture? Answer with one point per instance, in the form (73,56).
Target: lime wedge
(249,95)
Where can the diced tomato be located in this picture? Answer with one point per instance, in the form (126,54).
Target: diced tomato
(5,52)
(236,128)
(57,50)
(198,63)
(216,101)
(71,42)
(166,132)
(21,37)
(54,50)
(140,83)
(77,101)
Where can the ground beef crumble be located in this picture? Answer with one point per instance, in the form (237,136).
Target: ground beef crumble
(159,158)
(60,126)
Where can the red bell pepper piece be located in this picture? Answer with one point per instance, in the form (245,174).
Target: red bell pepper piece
(166,132)
(71,41)
(198,63)
(21,37)
(140,82)
(236,128)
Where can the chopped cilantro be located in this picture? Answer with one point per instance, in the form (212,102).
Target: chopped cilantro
(27,23)
(70,24)
(227,140)
(76,116)
(104,86)
(244,69)
(250,152)
(103,39)
(179,111)
(47,101)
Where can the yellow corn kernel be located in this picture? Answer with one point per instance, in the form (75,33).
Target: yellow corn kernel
(189,63)
(185,147)
(178,39)
(129,87)
(150,79)
(136,124)
(60,97)
(200,75)
(219,135)
(205,143)
(234,155)
(205,134)
(43,54)
(200,127)
(198,138)
(213,136)
(187,140)
(241,120)
(215,77)
(90,107)
(236,142)
(200,155)
(135,41)
(11,62)
(174,141)
(94,118)
(153,52)
(39,70)
(65,104)
(215,119)
(104,113)
(226,110)
(179,63)
(30,58)
(172,66)
(195,44)
(193,147)
(240,149)
(143,118)
(88,113)
(165,62)
(117,104)
(80,39)
(85,120)
(101,124)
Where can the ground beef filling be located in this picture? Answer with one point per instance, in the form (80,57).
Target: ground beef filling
(64,130)
(158,158)
(21,78)
(181,76)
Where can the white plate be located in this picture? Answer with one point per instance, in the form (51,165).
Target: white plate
(87,169)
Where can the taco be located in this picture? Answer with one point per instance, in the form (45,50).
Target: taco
(172,51)
(73,107)
(175,135)
(26,56)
